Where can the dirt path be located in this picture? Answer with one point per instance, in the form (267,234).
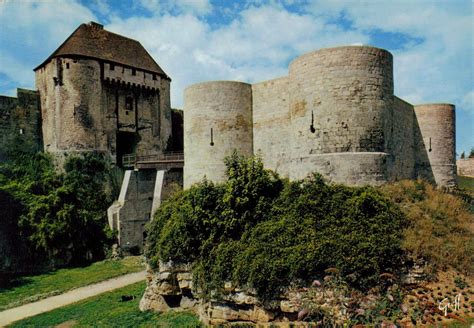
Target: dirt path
(28,310)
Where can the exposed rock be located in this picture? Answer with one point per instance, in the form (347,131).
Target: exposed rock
(416,275)
(171,288)
(185,280)
(288,306)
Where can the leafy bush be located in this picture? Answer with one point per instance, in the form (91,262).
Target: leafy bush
(264,232)
(61,217)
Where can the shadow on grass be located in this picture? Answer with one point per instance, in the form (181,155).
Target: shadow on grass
(8,281)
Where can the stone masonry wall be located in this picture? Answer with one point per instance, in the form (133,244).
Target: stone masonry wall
(70,92)
(85,103)
(20,122)
(225,108)
(136,210)
(465,167)
(436,149)
(335,113)
(271,124)
(340,101)
(402,144)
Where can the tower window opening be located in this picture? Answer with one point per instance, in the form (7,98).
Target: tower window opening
(67,65)
(430,149)
(212,138)
(134,71)
(154,77)
(112,67)
(129,103)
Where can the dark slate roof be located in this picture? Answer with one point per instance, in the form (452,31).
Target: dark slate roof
(92,41)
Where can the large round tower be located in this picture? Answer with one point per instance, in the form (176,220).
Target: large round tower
(217,121)
(340,105)
(436,143)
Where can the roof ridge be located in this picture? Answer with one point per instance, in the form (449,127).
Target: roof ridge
(93,41)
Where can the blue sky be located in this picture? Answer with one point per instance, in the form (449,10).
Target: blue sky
(198,40)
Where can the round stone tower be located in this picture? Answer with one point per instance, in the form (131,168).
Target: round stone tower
(341,103)
(217,121)
(436,143)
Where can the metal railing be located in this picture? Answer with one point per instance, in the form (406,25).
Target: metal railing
(130,160)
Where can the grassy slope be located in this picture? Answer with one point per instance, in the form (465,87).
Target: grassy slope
(107,310)
(33,288)
(466,183)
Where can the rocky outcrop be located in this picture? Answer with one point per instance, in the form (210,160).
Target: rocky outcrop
(170,287)
(325,302)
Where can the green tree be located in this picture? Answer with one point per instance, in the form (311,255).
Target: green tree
(64,214)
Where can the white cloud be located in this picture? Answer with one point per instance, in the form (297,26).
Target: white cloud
(422,71)
(192,44)
(150,5)
(15,69)
(256,45)
(102,7)
(197,7)
(200,7)
(31,31)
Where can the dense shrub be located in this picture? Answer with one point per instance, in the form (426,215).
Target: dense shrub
(60,217)
(264,232)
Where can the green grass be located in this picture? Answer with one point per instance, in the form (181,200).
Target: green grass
(466,183)
(106,310)
(32,288)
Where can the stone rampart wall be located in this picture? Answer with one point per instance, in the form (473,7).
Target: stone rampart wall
(271,124)
(402,144)
(465,167)
(20,122)
(352,168)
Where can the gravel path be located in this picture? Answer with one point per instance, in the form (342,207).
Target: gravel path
(28,310)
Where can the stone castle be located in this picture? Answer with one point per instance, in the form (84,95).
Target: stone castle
(335,113)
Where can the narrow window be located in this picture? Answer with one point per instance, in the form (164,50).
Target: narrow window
(134,71)
(67,65)
(22,131)
(154,77)
(129,103)
(112,67)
